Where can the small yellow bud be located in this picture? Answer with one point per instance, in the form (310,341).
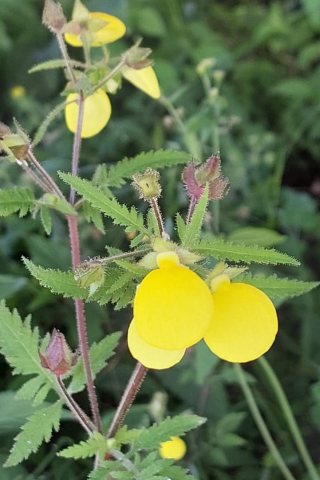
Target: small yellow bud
(174,448)
(147,184)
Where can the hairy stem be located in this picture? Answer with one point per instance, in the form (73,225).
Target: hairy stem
(128,397)
(75,409)
(192,206)
(81,324)
(156,210)
(47,179)
(77,143)
(288,415)
(44,186)
(65,56)
(252,404)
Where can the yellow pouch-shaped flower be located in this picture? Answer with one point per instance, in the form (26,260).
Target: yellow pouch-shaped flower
(110,32)
(174,448)
(173,306)
(149,356)
(145,79)
(244,324)
(97,111)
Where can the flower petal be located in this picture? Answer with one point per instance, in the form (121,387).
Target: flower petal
(97,111)
(244,324)
(151,357)
(174,448)
(144,79)
(173,308)
(112,31)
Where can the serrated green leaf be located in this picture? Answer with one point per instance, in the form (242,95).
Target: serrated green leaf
(120,214)
(15,200)
(51,200)
(29,388)
(99,354)
(131,267)
(56,281)
(19,344)
(276,287)
(125,298)
(130,166)
(47,121)
(152,437)
(223,250)
(38,429)
(46,220)
(177,473)
(97,443)
(193,228)
(94,215)
(52,64)
(181,226)
(263,237)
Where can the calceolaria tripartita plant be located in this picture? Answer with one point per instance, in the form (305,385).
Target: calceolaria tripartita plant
(180,288)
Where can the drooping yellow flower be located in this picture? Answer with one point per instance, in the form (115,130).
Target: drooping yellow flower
(173,307)
(111,30)
(149,356)
(244,324)
(145,79)
(174,448)
(97,111)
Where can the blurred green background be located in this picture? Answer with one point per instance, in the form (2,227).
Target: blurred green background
(266,116)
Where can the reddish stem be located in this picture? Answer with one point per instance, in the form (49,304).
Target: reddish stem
(81,324)
(128,397)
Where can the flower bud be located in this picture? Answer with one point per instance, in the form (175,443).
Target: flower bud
(195,178)
(137,57)
(58,357)
(205,65)
(147,184)
(174,448)
(53,16)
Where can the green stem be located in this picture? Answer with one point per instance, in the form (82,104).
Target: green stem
(254,409)
(291,421)
(111,74)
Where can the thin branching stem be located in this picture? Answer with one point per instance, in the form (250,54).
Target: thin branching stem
(288,415)
(44,174)
(253,407)
(111,74)
(128,397)
(83,419)
(44,186)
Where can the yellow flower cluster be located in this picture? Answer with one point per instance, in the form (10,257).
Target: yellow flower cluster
(174,309)
(104,29)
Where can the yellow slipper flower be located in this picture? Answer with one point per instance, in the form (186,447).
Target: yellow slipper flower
(145,79)
(244,324)
(97,111)
(110,32)
(173,306)
(149,356)
(174,448)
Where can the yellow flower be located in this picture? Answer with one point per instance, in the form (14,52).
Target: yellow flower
(110,31)
(173,306)
(149,356)
(97,111)
(174,448)
(17,91)
(244,324)
(145,79)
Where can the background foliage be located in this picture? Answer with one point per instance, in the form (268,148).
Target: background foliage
(268,118)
